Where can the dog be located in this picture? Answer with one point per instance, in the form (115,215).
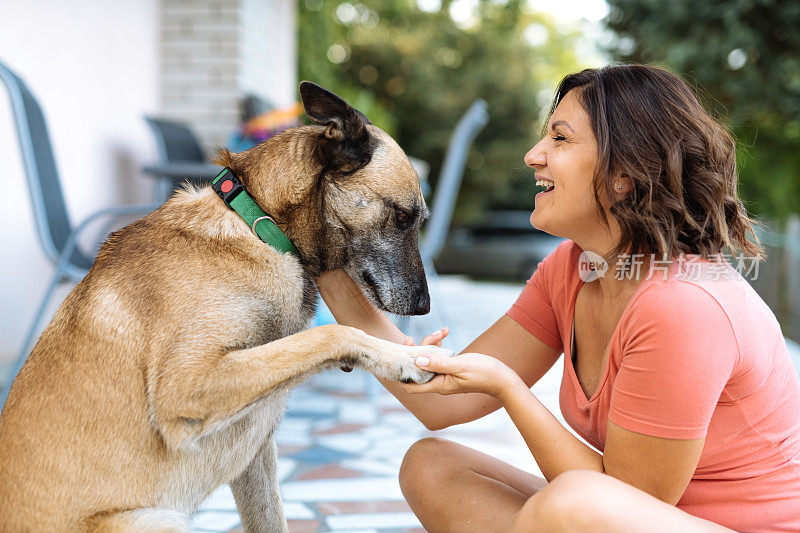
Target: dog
(166,370)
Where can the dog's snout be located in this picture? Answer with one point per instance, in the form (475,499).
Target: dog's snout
(423,304)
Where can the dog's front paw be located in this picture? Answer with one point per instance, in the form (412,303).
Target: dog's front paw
(410,372)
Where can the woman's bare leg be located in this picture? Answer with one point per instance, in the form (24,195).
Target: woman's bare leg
(581,500)
(454,488)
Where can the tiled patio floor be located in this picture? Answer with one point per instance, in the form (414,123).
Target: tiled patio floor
(343,438)
(341,447)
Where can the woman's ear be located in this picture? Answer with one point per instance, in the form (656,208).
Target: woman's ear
(347,143)
(622,184)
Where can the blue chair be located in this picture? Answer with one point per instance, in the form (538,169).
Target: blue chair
(57,236)
(177,144)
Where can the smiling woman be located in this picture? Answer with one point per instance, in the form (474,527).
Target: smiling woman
(675,372)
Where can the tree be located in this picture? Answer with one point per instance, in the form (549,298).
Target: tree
(744,56)
(414,73)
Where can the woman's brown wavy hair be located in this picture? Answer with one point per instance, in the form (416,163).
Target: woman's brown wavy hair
(650,127)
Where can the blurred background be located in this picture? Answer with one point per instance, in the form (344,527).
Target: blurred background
(463,85)
(228,70)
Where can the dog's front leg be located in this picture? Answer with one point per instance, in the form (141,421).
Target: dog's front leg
(195,394)
(257,495)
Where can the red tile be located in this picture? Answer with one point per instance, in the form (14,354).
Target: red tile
(393,409)
(289,450)
(330,508)
(341,428)
(329,471)
(346,394)
(295,526)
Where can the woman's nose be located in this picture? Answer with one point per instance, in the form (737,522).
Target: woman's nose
(536,156)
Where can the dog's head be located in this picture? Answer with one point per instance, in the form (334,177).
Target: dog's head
(371,202)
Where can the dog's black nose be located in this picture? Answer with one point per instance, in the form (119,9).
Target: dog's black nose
(423,304)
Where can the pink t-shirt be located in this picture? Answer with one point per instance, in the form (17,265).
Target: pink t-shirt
(695,355)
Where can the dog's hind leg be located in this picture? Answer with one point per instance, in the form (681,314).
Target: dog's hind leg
(144,521)
(196,394)
(257,495)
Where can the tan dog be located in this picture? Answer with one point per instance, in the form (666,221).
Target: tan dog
(165,371)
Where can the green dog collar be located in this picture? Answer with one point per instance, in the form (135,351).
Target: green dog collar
(232,192)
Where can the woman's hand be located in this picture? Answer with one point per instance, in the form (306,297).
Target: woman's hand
(469,372)
(434,339)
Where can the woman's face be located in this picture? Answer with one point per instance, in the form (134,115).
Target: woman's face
(567,156)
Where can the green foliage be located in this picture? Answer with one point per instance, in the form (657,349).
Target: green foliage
(414,73)
(745,57)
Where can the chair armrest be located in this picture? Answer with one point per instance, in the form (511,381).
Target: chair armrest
(188,170)
(116,211)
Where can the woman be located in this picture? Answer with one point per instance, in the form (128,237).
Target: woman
(680,377)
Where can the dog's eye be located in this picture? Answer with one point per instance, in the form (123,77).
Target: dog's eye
(402,219)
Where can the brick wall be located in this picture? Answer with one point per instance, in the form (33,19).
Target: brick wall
(214,51)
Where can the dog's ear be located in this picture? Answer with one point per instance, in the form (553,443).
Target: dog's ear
(347,145)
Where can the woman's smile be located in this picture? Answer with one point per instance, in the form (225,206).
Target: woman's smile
(542,194)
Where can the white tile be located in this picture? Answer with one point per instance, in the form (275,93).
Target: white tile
(319,404)
(325,424)
(297,511)
(402,420)
(387,400)
(378,432)
(353,412)
(292,439)
(344,443)
(392,448)
(285,468)
(295,425)
(370,466)
(373,520)
(220,499)
(215,520)
(342,490)
(356,531)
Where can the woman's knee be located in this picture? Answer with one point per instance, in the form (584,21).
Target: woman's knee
(570,502)
(426,461)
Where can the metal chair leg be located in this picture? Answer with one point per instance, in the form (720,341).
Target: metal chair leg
(29,337)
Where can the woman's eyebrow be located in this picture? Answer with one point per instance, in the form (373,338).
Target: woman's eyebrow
(560,122)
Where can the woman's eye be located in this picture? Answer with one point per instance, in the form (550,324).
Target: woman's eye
(559,138)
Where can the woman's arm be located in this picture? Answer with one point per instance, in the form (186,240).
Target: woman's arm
(662,467)
(509,342)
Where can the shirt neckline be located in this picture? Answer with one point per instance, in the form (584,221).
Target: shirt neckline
(568,358)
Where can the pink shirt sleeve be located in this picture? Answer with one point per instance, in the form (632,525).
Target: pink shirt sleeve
(534,309)
(679,350)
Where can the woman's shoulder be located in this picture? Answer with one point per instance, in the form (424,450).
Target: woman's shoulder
(675,301)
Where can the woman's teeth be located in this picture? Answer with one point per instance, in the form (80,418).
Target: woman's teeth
(547,184)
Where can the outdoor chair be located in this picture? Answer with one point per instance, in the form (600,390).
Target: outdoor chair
(180,154)
(57,236)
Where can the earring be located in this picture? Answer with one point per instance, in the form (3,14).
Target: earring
(619,187)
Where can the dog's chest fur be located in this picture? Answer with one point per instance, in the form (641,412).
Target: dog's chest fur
(241,304)
(223,455)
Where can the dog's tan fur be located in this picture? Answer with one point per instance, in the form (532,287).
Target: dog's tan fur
(165,371)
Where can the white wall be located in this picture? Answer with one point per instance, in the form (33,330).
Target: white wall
(96,68)
(93,69)
(270,46)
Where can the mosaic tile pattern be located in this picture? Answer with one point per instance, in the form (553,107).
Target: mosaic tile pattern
(342,440)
